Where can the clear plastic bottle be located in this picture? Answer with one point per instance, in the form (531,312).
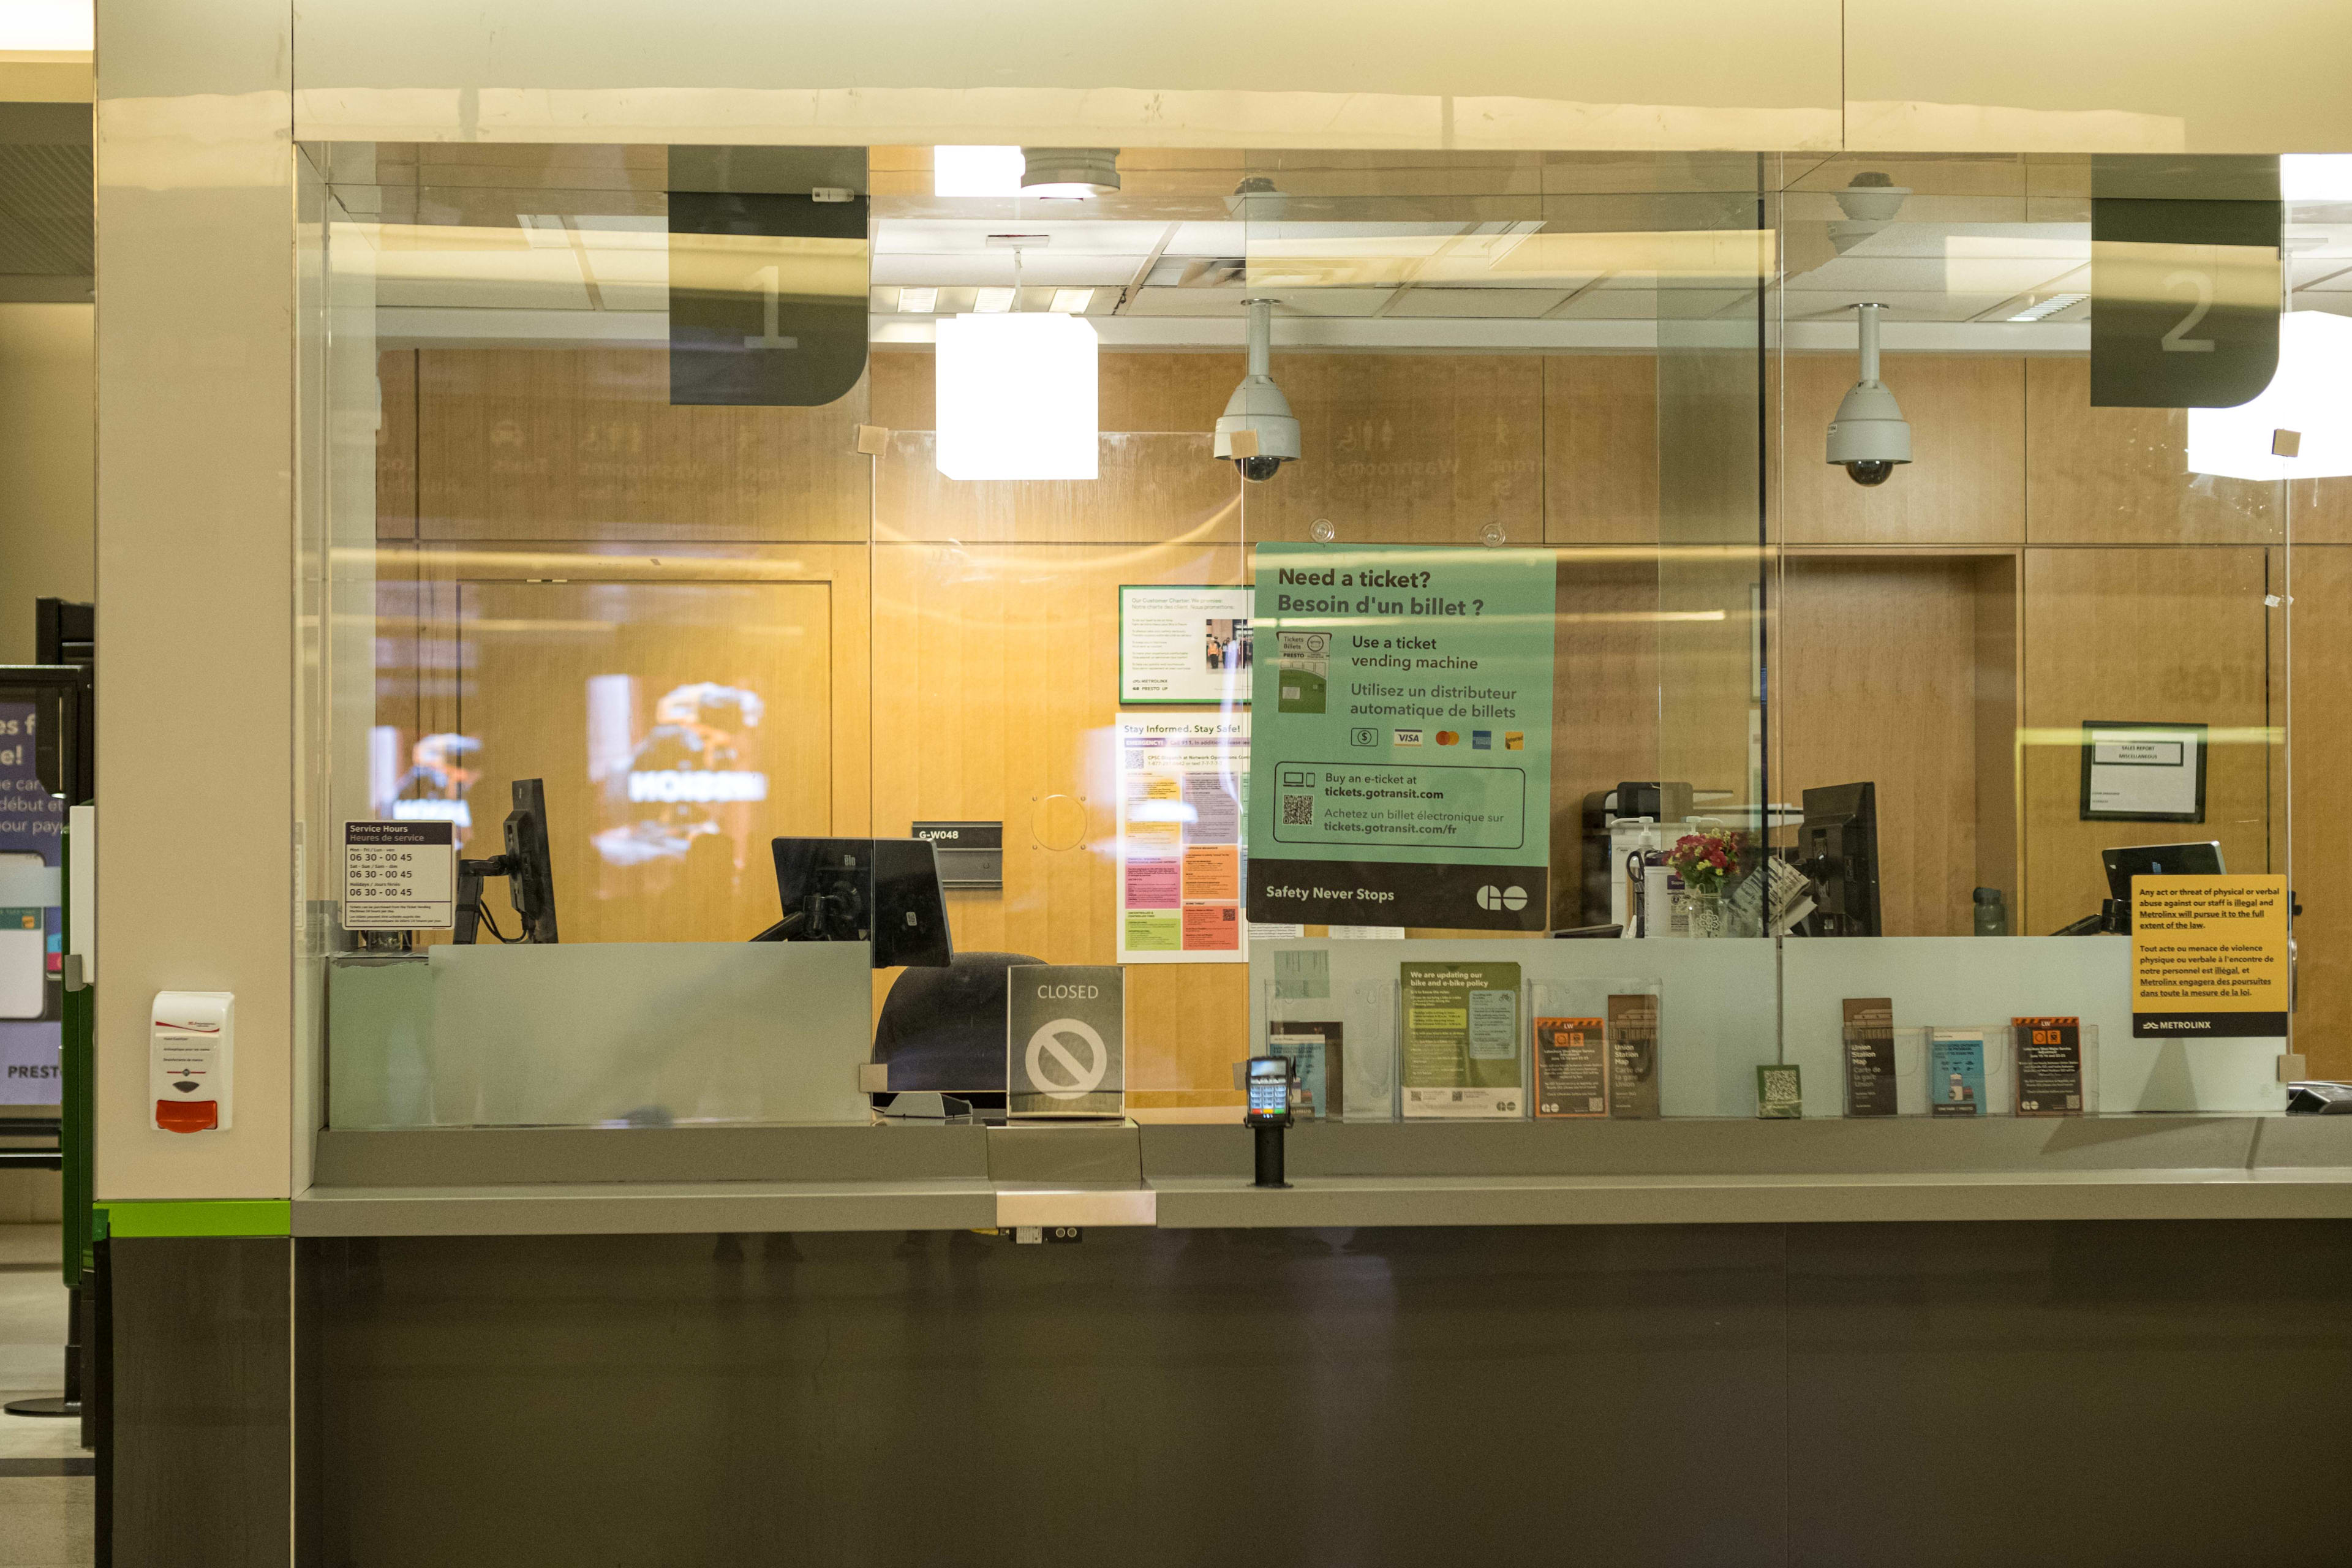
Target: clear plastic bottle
(1992,916)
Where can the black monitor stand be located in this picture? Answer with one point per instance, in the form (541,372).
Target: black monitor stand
(471,874)
(528,867)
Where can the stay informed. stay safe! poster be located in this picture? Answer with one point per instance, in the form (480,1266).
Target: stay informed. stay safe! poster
(1401,761)
(1181,780)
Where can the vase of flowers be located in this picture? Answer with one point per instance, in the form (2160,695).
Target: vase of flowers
(1708,863)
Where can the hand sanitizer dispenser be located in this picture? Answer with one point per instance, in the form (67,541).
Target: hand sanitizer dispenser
(191,1052)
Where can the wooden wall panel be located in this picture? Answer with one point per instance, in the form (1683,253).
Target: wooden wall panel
(396,444)
(1966,482)
(2160,635)
(1999,657)
(1605,699)
(584,444)
(2323,807)
(1409,449)
(648,871)
(1186,1025)
(1152,488)
(997,671)
(2118,476)
(404,659)
(1879,681)
(2319,511)
(509,634)
(1601,449)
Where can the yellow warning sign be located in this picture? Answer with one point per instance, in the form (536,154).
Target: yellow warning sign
(2208,957)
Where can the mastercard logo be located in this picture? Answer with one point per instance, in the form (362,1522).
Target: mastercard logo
(1449,737)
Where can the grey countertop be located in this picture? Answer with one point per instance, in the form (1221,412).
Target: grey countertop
(545,1181)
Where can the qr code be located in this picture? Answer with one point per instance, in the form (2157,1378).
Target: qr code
(1298,811)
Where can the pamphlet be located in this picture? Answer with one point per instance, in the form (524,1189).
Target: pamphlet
(1869,1055)
(1634,1056)
(1780,1092)
(1461,1053)
(2049,1066)
(1572,1068)
(1955,1072)
(1318,1084)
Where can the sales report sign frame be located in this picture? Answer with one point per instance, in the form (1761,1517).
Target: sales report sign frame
(1400,769)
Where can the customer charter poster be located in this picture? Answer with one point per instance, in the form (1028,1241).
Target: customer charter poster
(1400,769)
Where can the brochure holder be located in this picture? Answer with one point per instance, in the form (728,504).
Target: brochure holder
(1916,1091)
(1363,1019)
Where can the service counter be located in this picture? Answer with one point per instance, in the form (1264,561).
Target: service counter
(574,1180)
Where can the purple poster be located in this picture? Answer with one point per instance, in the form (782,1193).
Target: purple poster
(31,937)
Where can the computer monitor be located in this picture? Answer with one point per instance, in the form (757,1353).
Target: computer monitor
(2156,861)
(883,890)
(1837,848)
(530,873)
(527,866)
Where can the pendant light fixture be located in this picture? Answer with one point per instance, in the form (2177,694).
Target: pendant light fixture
(1017,392)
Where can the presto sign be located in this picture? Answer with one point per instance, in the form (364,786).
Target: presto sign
(1401,769)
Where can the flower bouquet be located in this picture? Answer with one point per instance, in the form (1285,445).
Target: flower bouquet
(1707,864)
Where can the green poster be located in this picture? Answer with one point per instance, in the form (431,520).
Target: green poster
(1462,1055)
(1401,772)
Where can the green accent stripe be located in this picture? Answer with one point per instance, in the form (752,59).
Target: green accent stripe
(203,1216)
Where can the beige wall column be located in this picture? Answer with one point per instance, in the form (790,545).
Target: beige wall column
(195,552)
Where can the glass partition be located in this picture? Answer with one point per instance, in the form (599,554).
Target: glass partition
(1409,613)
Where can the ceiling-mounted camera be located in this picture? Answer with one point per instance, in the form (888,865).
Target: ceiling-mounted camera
(1256,433)
(1869,436)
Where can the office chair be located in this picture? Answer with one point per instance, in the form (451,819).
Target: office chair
(944,1028)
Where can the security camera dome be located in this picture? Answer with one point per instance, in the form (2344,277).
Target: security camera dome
(1869,437)
(1257,433)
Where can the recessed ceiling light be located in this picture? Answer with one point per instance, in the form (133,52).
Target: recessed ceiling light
(918,302)
(2049,307)
(1073,301)
(993,301)
(976,171)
